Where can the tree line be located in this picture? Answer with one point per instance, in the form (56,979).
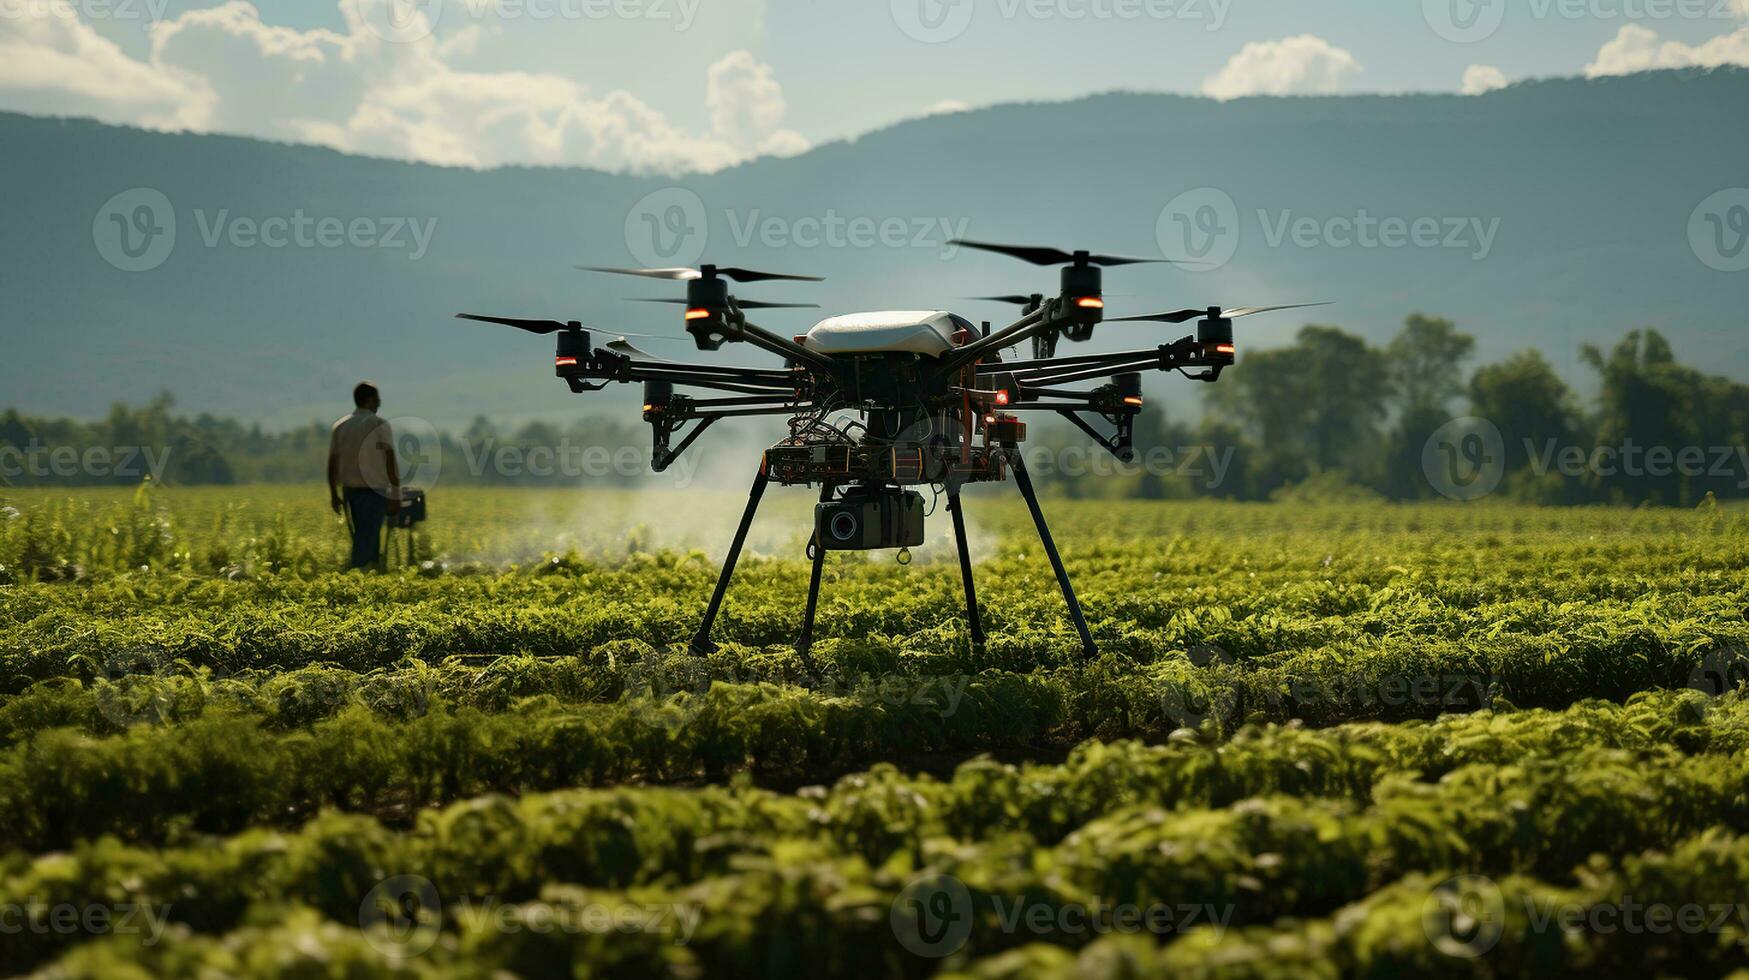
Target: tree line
(1328,416)
(1333,416)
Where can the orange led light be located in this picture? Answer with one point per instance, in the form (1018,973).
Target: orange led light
(1132,399)
(566,362)
(1223,348)
(697,313)
(1090,303)
(649,408)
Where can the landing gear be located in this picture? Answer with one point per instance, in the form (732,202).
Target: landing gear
(703,646)
(1024,482)
(701,641)
(806,641)
(976,621)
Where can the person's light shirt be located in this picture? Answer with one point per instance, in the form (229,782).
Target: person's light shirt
(362,441)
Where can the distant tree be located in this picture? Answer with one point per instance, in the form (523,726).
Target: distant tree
(1642,401)
(1537,415)
(1311,407)
(1649,403)
(1425,362)
(1425,374)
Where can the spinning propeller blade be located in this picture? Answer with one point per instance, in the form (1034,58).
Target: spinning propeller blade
(1182,316)
(621,346)
(1039,255)
(685,274)
(1013,298)
(532,326)
(554,326)
(745,304)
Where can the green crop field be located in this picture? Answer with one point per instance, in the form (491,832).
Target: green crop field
(1359,740)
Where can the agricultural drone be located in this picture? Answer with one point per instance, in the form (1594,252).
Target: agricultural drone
(880,403)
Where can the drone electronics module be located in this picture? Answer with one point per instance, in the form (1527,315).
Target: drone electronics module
(879,403)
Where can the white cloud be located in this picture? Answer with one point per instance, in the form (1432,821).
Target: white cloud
(950,106)
(63,66)
(1635,48)
(1479,79)
(746,107)
(1302,65)
(223,69)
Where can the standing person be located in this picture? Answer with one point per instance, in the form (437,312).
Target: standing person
(363,477)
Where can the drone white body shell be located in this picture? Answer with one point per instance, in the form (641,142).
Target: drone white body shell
(926,332)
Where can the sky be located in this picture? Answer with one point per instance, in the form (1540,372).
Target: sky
(673,86)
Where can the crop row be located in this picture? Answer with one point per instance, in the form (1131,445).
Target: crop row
(1667,912)
(223,773)
(758,885)
(1399,675)
(287,530)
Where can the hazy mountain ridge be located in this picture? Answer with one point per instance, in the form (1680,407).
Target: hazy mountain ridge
(1589,183)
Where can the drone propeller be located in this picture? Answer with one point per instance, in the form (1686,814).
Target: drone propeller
(745,304)
(1182,316)
(1055,256)
(551,326)
(1013,298)
(532,326)
(686,274)
(622,347)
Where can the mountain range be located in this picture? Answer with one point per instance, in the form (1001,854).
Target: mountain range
(260,280)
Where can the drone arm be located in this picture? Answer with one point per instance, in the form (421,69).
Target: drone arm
(1014,333)
(1031,382)
(710,383)
(606,366)
(766,340)
(661,456)
(1167,357)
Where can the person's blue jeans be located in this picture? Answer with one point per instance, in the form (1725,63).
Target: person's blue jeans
(368,509)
